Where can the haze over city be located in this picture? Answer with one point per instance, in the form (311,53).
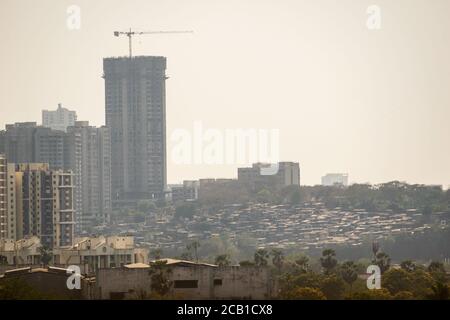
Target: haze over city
(373,103)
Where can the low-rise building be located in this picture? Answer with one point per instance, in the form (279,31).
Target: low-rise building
(189,280)
(90,253)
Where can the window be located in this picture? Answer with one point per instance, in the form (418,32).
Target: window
(185,284)
(217,282)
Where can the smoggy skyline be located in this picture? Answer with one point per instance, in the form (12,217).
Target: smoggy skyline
(372,103)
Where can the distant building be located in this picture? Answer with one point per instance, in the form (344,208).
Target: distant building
(287,174)
(88,153)
(18,142)
(335,179)
(186,191)
(39,203)
(6,219)
(83,149)
(135,97)
(59,119)
(90,253)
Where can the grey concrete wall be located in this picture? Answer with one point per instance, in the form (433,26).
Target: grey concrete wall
(236,282)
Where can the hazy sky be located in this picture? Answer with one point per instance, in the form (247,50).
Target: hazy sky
(375,104)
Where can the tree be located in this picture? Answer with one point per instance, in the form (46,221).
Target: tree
(349,272)
(441,291)
(223,260)
(437,270)
(404,295)
(156,253)
(375,249)
(193,246)
(264,196)
(246,263)
(261,256)
(381,294)
(436,266)
(397,280)
(383,261)
(302,263)
(46,255)
(408,266)
(422,283)
(277,258)
(304,294)
(160,277)
(333,287)
(328,260)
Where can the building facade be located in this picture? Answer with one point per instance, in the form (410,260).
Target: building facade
(136,114)
(41,202)
(59,119)
(286,174)
(89,155)
(83,149)
(335,179)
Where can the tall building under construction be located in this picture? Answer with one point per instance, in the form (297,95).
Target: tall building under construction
(136,115)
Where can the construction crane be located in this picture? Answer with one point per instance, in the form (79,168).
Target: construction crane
(131,33)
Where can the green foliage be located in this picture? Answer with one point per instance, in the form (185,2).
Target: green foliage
(328,260)
(408,266)
(160,278)
(261,257)
(303,264)
(156,253)
(383,261)
(304,294)
(349,272)
(440,291)
(222,260)
(333,287)
(397,280)
(396,196)
(381,294)
(46,255)
(246,263)
(277,258)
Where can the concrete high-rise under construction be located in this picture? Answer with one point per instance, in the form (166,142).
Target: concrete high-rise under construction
(136,115)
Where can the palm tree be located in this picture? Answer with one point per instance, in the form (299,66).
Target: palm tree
(375,249)
(349,272)
(383,261)
(261,256)
(194,246)
(222,260)
(278,258)
(303,264)
(328,260)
